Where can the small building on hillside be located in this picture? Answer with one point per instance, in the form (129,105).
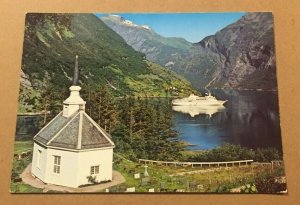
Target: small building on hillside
(72,149)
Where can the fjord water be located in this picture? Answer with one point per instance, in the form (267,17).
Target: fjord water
(249,118)
(27,126)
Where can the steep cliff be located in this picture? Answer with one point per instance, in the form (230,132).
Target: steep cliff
(241,55)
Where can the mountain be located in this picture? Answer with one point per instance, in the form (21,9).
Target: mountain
(241,55)
(51,42)
(159,49)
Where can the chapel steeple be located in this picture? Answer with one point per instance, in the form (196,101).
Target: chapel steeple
(75,77)
(74,102)
(72,136)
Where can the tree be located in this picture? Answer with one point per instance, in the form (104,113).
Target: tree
(35,20)
(169,146)
(158,139)
(50,102)
(146,130)
(88,94)
(123,142)
(126,113)
(103,109)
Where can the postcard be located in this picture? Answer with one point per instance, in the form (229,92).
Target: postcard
(148,103)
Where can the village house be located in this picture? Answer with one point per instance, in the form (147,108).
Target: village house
(72,149)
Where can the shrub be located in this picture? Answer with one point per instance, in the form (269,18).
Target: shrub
(249,189)
(231,152)
(92,179)
(267,182)
(266,155)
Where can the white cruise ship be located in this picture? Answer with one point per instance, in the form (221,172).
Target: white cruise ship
(194,100)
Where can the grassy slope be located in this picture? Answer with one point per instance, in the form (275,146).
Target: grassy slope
(20,165)
(104,58)
(158,81)
(23,146)
(159,175)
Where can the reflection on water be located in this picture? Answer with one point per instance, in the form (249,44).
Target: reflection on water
(27,126)
(196,110)
(250,118)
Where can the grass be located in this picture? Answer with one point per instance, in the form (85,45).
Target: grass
(23,188)
(174,178)
(23,146)
(170,178)
(20,165)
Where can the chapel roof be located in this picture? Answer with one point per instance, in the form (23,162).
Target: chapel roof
(78,132)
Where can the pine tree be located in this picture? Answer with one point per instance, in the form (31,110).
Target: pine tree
(88,95)
(162,136)
(126,115)
(123,142)
(149,130)
(50,102)
(103,109)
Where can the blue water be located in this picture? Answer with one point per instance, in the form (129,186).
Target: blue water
(249,118)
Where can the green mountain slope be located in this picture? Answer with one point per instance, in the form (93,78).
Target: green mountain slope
(159,49)
(241,55)
(52,40)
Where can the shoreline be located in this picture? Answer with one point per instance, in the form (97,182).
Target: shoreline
(29,113)
(244,89)
(162,97)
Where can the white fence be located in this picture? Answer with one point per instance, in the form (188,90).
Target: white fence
(201,164)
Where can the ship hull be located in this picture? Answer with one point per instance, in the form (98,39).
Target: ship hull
(204,103)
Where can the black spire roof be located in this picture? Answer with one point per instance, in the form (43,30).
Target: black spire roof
(75,77)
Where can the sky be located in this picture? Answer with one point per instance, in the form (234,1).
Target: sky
(191,26)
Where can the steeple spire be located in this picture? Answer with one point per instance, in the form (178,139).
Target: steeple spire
(74,102)
(75,77)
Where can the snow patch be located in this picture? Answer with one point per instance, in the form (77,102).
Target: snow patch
(114,15)
(170,63)
(146,27)
(129,23)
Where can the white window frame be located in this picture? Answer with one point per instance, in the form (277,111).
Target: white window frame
(56,164)
(39,157)
(94,170)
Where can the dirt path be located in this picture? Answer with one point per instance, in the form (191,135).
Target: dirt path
(29,179)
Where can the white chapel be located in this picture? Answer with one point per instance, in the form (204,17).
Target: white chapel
(72,147)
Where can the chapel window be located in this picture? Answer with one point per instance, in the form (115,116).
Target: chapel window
(56,167)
